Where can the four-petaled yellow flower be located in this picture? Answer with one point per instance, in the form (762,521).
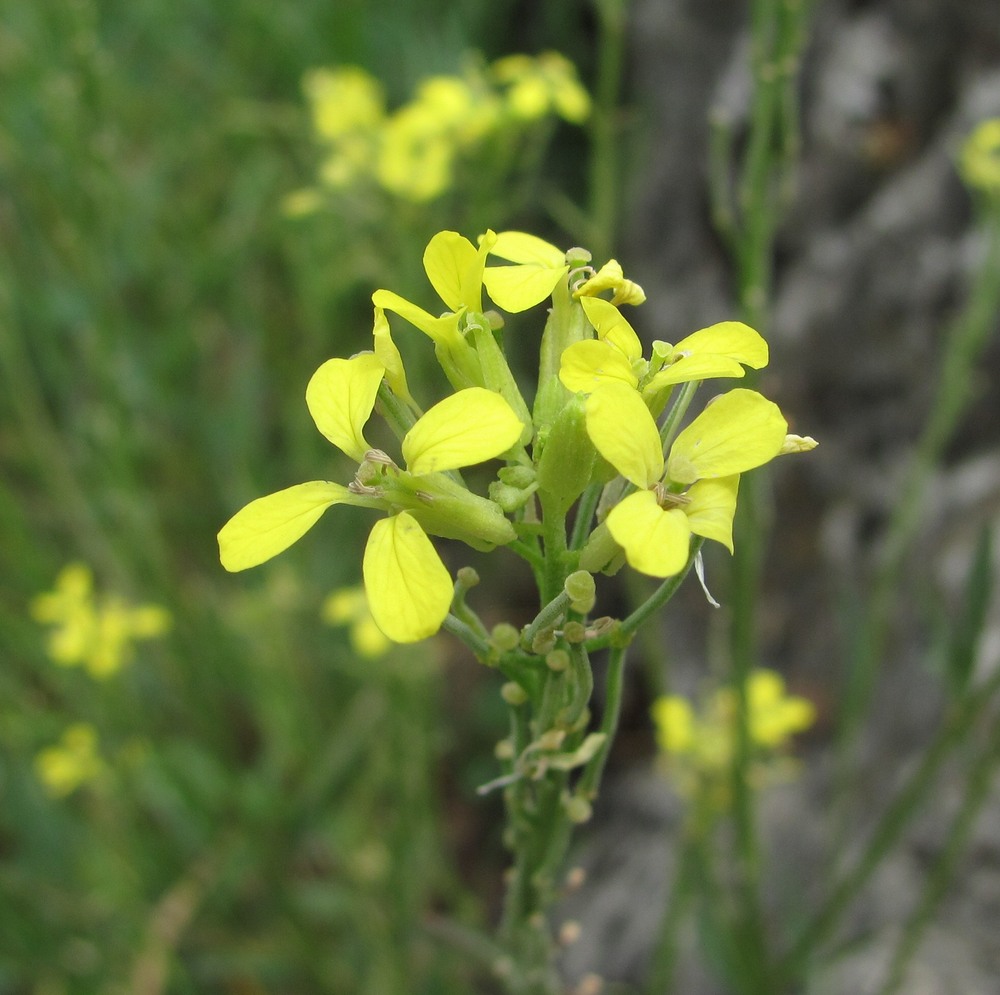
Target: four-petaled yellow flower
(94,630)
(409,589)
(694,489)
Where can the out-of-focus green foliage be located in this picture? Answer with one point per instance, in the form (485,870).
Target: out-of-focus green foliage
(249,807)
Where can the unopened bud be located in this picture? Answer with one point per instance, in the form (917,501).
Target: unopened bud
(552,739)
(577,809)
(513,693)
(557,660)
(467,577)
(574,632)
(582,592)
(504,750)
(505,637)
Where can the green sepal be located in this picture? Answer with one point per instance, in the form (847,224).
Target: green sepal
(496,371)
(448,509)
(601,554)
(567,461)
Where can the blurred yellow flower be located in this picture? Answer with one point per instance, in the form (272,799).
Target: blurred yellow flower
(413,151)
(700,743)
(72,762)
(542,85)
(93,630)
(343,101)
(348,606)
(979,161)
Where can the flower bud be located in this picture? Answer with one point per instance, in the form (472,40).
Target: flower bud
(581,590)
(577,809)
(601,553)
(513,693)
(505,637)
(557,660)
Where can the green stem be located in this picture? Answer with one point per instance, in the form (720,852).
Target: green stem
(479,646)
(585,509)
(605,151)
(966,341)
(614,683)
(623,633)
(975,796)
(889,828)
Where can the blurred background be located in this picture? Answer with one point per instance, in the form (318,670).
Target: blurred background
(243,793)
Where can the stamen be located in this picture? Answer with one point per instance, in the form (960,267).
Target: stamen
(377,456)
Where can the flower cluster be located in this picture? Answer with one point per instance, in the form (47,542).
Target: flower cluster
(94,630)
(699,744)
(413,151)
(593,428)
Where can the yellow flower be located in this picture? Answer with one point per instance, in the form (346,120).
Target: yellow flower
(96,631)
(610,277)
(538,267)
(541,86)
(721,350)
(409,589)
(694,489)
(701,744)
(71,763)
(979,161)
(343,101)
(416,155)
(349,607)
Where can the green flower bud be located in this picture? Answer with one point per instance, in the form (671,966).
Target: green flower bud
(574,632)
(509,498)
(505,637)
(567,461)
(513,694)
(445,508)
(557,660)
(496,371)
(601,553)
(517,476)
(581,590)
(577,809)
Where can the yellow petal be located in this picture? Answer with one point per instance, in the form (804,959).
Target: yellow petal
(388,355)
(455,268)
(711,507)
(409,589)
(520,247)
(689,368)
(624,433)
(465,428)
(444,330)
(736,432)
(611,326)
(656,542)
(584,366)
(271,524)
(516,288)
(673,719)
(728,338)
(341,395)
